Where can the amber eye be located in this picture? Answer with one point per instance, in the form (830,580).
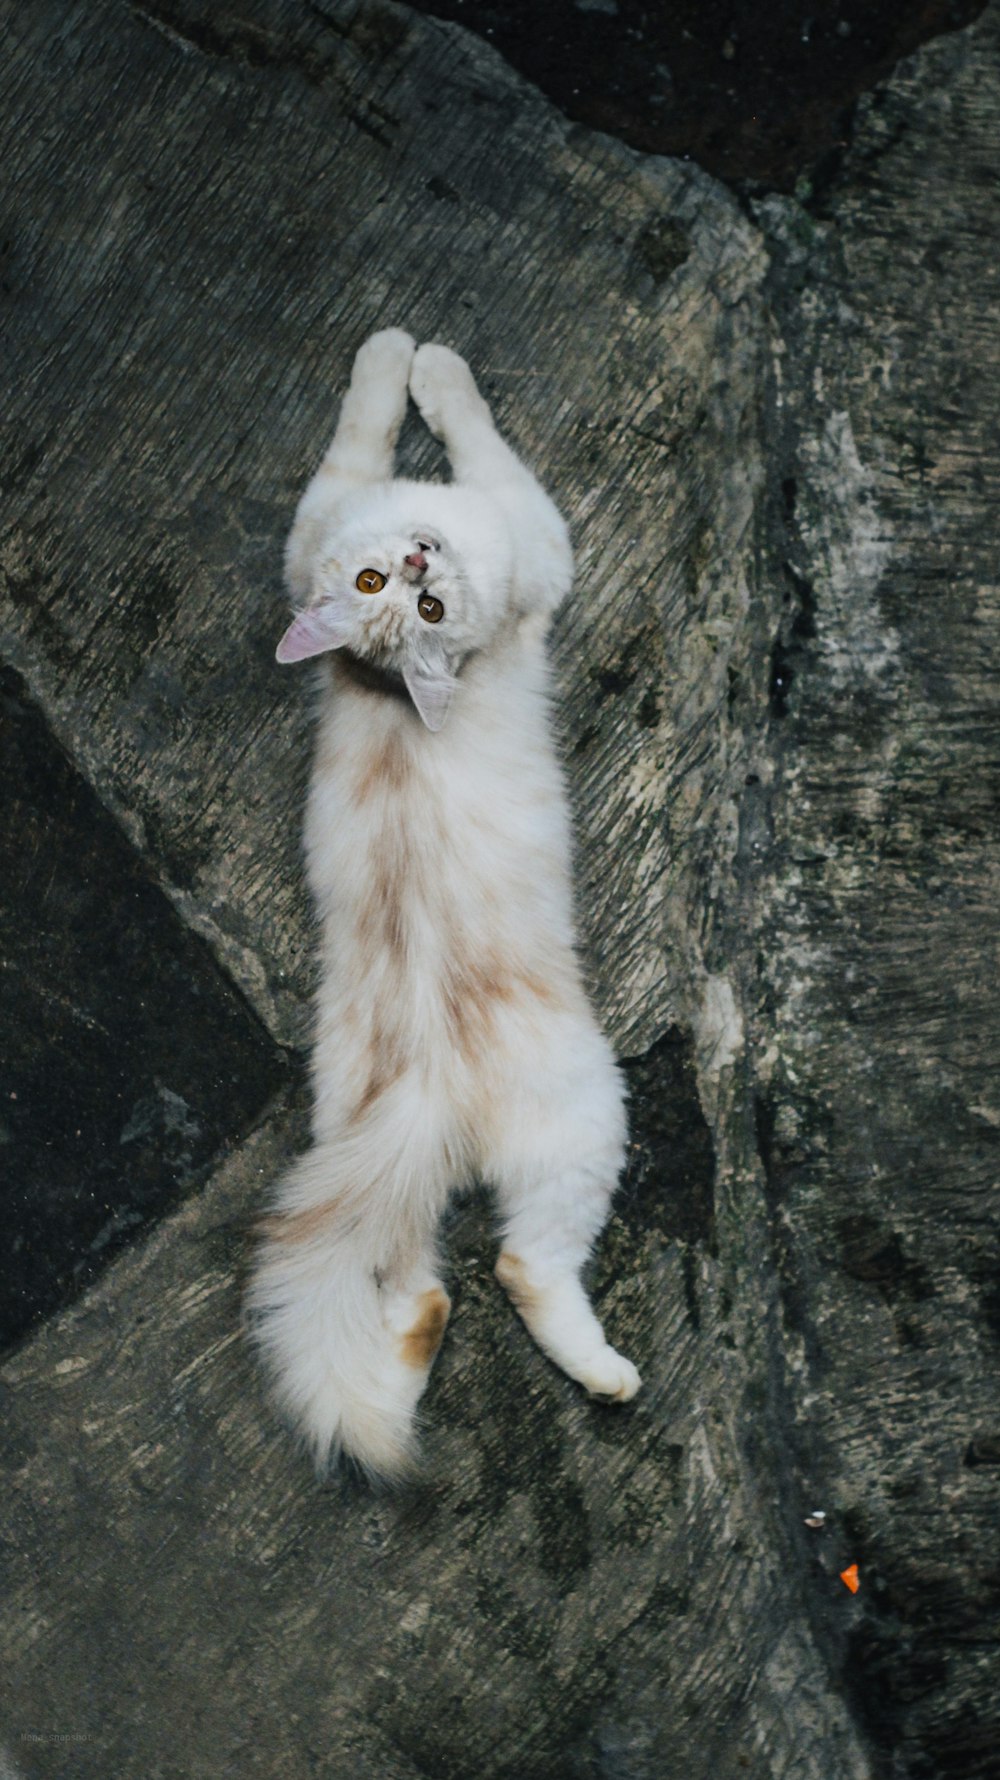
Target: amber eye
(430,608)
(370,581)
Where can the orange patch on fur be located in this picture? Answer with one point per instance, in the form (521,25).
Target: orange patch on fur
(382,922)
(469,990)
(386,1068)
(513,1276)
(536,986)
(386,769)
(385,1056)
(421,1342)
(298,1226)
(472,988)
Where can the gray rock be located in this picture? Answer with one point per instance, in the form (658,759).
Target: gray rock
(877,1007)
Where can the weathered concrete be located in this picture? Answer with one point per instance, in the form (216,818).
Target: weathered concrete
(765,495)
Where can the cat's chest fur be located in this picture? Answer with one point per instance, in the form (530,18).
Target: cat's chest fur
(440,863)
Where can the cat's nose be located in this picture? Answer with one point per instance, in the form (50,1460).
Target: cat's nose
(416,560)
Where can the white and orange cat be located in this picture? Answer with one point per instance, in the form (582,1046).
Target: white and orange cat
(454,1037)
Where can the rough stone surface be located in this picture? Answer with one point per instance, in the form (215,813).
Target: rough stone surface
(778,701)
(207,256)
(879,1108)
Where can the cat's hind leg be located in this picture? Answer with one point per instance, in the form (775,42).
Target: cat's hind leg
(362,450)
(555,1173)
(557,1312)
(415,1310)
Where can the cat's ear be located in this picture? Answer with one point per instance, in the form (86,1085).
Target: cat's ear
(431,684)
(313,632)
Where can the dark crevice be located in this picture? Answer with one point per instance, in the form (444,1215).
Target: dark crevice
(669,1179)
(130,1062)
(797,628)
(313,51)
(230,40)
(759,96)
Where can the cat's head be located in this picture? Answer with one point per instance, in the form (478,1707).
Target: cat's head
(399,596)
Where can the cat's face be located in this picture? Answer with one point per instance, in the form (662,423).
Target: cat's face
(397,597)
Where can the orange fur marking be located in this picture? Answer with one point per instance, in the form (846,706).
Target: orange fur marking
(387,769)
(421,1342)
(298,1226)
(471,989)
(385,1070)
(513,1276)
(381,923)
(386,1060)
(535,986)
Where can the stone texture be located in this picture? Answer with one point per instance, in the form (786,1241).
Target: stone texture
(777,701)
(878,1103)
(224,210)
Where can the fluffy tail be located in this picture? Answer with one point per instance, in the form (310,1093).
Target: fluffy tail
(346,1305)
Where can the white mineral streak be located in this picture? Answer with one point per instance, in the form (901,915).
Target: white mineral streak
(718,1026)
(850,544)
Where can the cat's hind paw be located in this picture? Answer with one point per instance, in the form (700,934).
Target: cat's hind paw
(611,1377)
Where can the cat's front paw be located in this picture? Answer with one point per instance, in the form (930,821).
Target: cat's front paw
(610,1376)
(442,386)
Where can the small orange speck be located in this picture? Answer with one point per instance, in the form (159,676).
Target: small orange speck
(849,1578)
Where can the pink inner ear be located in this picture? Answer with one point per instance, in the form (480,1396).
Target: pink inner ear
(311,633)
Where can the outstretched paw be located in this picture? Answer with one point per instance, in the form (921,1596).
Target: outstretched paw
(611,1376)
(443,388)
(386,356)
